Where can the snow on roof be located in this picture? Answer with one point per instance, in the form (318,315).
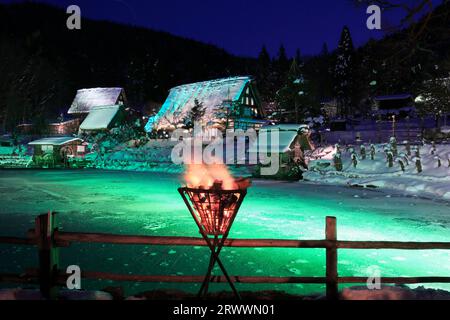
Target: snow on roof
(87,99)
(294,127)
(394,97)
(211,93)
(54,123)
(286,135)
(55,141)
(100,118)
(446,130)
(395,111)
(255,121)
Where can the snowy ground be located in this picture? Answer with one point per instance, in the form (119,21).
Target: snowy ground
(433,182)
(155,156)
(352,293)
(148,204)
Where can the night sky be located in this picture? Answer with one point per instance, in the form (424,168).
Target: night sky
(242,26)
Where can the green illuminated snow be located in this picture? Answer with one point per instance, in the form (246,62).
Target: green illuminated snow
(149,204)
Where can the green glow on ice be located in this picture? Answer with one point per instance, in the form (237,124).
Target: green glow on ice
(149,204)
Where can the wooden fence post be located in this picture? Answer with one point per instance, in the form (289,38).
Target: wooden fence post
(48,255)
(331,260)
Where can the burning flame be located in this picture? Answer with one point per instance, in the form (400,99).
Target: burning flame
(207,176)
(215,196)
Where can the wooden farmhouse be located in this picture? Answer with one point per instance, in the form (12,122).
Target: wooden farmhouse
(99,109)
(62,128)
(88,99)
(56,128)
(57,149)
(228,103)
(400,105)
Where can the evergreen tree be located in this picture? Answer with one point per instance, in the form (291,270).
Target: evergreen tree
(298,58)
(194,115)
(264,62)
(282,63)
(368,77)
(343,73)
(280,70)
(264,74)
(318,70)
(434,99)
(325,81)
(293,96)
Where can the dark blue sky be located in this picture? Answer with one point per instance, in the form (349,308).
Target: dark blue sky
(241,26)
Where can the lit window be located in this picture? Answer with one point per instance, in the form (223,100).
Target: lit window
(47,149)
(81,149)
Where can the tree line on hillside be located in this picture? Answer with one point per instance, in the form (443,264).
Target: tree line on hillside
(42,65)
(415,59)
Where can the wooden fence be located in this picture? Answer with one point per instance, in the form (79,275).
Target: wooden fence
(49,240)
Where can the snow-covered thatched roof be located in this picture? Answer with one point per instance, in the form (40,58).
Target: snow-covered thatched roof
(100,118)
(211,94)
(87,99)
(286,134)
(54,141)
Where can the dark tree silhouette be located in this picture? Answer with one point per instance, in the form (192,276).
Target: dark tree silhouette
(194,115)
(344,73)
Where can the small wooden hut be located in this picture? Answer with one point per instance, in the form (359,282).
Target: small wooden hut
(292,141)
(55,151)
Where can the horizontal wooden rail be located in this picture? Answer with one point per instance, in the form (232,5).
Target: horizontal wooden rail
(193,279)
(64,239)
(18,241)
(250,279)
(397,280)
(393,245)
(32,277)
(18,278)
(94,275)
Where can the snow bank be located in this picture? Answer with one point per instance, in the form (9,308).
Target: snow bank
(155,156)
(394,293)
(6,150)
(433,181)
(72,295)
(12,162)
(352,293)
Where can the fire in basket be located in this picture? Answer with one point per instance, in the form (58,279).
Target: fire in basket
(213,198)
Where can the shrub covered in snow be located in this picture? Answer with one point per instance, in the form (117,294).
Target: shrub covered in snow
(422,173)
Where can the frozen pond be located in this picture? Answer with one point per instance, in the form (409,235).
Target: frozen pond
(149,204)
